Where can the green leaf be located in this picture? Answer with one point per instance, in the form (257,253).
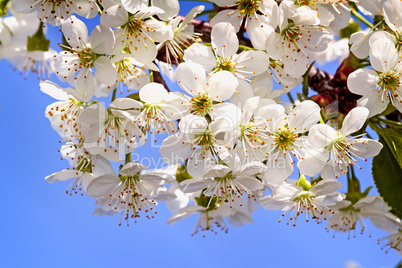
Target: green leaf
(38,41)
(393,138)
(387,173)
(3,7)
(305,79)
(353,27)
(182,174)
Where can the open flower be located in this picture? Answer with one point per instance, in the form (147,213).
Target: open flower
(199,142)
(342,149)
(86,53)
(286,138)
(223,55)
(304,198)
(259,17)
(227,182)
(137,31)
(382,85)
(63,115)
(346,215)
(130,193)
(56,11)
(207,95)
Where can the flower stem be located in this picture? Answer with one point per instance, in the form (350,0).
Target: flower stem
(128,158)
(241,47)
(151,76)
(361,18)
(291,98)
(114,94)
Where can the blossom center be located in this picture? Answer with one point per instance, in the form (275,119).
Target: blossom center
(284,139)
(248,7)
(86,57)
(249,132)
(201,104)
(135,26)
(291,33)
(223,64)
(389,81)
(205,140)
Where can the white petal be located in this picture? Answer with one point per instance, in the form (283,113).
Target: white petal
(374,101)
(130,169)
(383,55)
(126,103)
(193,185)
(362,81)
(325,187)
(53,90)
(251,184)
(224,40)
(354,120)
(258,30)
(252,63)
(221,86)
(279,168)
(232,16)
(102,185)
(321,135)
(75,32)
(274,46)
(304,116)
(313,164)
(174,151)
(63,175)
(133,6)
(365,148)
(191,77)
(101,166)
(171,8)
(105,71)
(153,93)
(200,54)
(184,213)
(102,39)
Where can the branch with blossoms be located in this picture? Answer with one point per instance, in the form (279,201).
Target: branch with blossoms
(231,142)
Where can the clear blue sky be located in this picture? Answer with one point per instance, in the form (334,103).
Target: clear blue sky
(41,226)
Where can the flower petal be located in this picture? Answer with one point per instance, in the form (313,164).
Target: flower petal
(354,120)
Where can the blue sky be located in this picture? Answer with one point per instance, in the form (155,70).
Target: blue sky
(41,226)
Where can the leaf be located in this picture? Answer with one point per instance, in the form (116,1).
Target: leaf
(305,79)
(3,7)
(38,41)
(387,174)
(393,138)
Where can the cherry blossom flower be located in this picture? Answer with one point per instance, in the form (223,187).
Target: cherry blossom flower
(342,150)
(382,85)
(86,52)
(227,182)
(207,95)
(200,142)
(223,55)
(259,18)
(136,31)
(63,115)
(130,193)
(285,132)
(111,131)
(298,38)
(183,36)
(305,198)
(56,11)
(347,215)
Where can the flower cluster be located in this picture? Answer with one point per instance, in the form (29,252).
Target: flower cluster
(229,142)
